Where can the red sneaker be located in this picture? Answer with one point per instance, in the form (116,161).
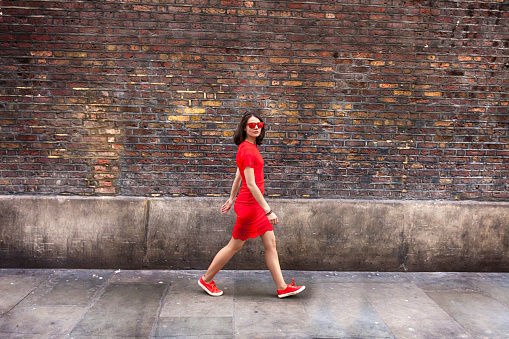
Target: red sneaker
(290,290)
(210,288)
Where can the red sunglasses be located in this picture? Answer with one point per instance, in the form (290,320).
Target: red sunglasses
(253,125)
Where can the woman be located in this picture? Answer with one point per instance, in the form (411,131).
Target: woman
(254,216)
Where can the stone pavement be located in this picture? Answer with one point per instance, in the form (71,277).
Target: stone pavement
(169,304)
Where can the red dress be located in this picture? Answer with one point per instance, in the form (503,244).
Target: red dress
(251,218)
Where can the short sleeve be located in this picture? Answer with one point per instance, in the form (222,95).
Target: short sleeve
(248,160)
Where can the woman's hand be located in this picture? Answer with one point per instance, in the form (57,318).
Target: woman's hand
(273,218)
(227,205)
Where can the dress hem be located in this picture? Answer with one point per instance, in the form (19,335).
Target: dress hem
(252,236)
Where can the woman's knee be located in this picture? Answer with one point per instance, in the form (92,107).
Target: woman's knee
(270,244)
(235,246)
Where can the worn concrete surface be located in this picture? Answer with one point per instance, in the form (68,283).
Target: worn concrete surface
(185,233)
(170,304)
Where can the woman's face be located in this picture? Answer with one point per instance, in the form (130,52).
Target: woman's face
(253,132)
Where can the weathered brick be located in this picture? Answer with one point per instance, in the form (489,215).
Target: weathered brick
(279,60)
(194,110)
(433,94)
(324,84)
(402,93)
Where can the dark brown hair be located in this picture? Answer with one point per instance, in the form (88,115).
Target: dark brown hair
(240,134)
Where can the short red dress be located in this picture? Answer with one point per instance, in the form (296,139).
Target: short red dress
(251,218)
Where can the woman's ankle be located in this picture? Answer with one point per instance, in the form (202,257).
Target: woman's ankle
(282,287)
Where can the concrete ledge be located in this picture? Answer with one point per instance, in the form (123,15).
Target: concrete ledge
(185,233)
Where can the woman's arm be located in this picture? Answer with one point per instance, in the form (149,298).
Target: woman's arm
(236,185)
(233,194)
(257,194)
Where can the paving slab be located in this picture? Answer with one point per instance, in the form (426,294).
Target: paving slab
(481,315)
(496,285)
(319,277)
(258,286)
(194,326)
(410,313)
(30,336)
(343,310)
(48,304)
(445,281)
(41,320)
(189,311)
(123,310)
(266,319)
(15,285)
(68,288)
(184,299)
(143,276)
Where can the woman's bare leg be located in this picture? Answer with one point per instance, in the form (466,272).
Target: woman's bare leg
(222,257)
(272,259)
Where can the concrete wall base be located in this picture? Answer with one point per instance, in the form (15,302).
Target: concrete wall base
(186,233)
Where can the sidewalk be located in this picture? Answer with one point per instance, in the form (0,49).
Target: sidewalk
(168,304)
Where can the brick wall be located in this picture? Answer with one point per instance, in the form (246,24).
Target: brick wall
(363,98)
